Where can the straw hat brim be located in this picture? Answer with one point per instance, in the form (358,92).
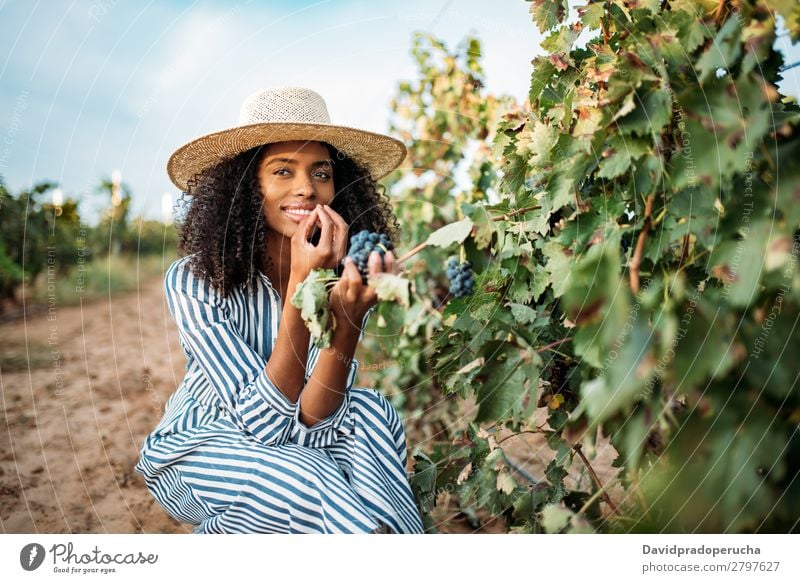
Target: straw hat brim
(378,153)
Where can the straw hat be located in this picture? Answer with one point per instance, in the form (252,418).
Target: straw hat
(279,115)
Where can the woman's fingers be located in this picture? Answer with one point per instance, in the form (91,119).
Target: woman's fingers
(340,232)
(374,264)
(389,262)
(307,226)
(352,295)
(326,237)
(340,223)
(350,272)
(352,278)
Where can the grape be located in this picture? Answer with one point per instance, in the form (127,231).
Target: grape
(461,278)
(365,242)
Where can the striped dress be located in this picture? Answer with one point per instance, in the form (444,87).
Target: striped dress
(231,454)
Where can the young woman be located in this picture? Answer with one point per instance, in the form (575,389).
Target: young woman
(267,433)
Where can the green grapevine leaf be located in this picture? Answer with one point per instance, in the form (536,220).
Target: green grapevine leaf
(423,482)
(652,112)
(728,464)
(739,264)
(548,13)
(631,367)
(523,314)
(555,518)
(391,288)
(787,195)
(772,364)
(558,266)
(311,298)
(704,345)
(560,40)
(543,71)
(723,52)
(484,227)
(591,15)
(452,233)
(618,158)
(504,382)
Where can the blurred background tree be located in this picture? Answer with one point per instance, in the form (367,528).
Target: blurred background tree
(41,231)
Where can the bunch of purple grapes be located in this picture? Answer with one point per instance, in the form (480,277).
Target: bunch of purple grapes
(461,278)
(365,242)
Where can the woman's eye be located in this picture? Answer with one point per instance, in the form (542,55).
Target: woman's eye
(279,170)
(323,175)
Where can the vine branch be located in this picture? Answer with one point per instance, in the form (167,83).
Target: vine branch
(553,344)
(633,266)
(539,429)
(579,450)
(515,212)
(503,217)
(413,252)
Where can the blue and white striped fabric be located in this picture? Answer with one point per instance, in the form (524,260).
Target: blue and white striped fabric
(231,454)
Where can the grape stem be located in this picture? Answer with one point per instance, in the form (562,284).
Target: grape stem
(539,429)
(633,266)
(413,252)
(553,345)
(503,217)
(515,212)
(579,450)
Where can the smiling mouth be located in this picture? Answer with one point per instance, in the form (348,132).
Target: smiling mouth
(296,214)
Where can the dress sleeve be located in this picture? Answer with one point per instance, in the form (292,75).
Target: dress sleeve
(232,367)
(325,432)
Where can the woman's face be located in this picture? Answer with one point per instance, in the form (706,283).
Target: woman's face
(294,178)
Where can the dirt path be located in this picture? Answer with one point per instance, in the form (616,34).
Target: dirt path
(73,422)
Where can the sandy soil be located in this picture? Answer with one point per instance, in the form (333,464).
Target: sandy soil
(73,422)
(87,383)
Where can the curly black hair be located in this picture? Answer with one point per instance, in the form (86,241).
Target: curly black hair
(223,227)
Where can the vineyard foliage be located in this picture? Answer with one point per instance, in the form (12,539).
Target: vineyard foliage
(36,236)
(634,228)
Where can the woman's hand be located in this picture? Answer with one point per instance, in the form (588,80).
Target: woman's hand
(330,249)
(350,298)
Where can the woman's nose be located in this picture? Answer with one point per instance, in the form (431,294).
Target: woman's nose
(304,185)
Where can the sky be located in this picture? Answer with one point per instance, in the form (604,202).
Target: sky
(87,87)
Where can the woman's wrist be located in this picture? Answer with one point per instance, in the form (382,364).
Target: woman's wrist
(297,276)
(348,321)
(295,279)
(346,329)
